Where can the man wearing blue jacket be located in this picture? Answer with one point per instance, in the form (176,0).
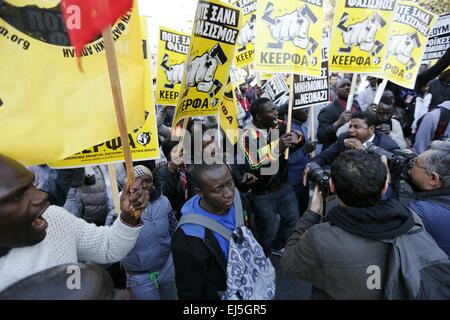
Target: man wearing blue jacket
(430,176)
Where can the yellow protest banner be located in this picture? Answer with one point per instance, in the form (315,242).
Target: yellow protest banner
(49,109)
(172,51)
(246,38)
(211,54)
(288,36)
(410,30)
(144,143)
(228,115)
(360,35)
(236,76)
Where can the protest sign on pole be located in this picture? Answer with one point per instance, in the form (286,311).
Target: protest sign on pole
(143,141)
(410,30)
(360,35)
(310,91)
(236,76)
(438,40)
(211,52)
(246,39)
(228,115)
(50,110)
(172,51)
(275,88)
(287,36)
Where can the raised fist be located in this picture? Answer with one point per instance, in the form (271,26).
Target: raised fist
(293,27)
(247,33)
(174,73)
(361,34)
(201,70)
(402,47)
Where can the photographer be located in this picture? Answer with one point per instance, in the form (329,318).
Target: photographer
(338,257)
(430,178)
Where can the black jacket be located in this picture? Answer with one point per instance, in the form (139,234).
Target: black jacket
(169,183)
(328,156)
(326,133)
(200,266)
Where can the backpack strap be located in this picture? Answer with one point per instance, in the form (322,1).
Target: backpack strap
(238,209)
(206,222)
(444,119)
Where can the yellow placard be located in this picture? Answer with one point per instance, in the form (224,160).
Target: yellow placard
(360,35)
(246,39)
(50,109)
(172,51)
(410,31)
(143,141)
(228,115)
(211,53)
(288,36)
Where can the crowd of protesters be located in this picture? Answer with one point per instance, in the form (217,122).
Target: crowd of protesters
(381,210)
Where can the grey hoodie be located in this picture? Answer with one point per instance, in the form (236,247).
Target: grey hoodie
(428,127)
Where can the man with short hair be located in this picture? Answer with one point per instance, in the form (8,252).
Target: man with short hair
(35,236)
(361,134)
(333,116)
(367,245)
(334,77)
(264,159)
(366,96)
(430,176)
(200,254)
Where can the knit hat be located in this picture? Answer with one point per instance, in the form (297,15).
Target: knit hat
(141,170)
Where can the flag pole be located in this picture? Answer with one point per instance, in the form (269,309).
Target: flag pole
(351,96)
(290,106)
(380,91)
(118,104)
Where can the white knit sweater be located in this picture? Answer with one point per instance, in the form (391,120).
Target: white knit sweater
(68,240)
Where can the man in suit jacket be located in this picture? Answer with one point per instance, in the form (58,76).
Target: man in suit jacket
(360,134)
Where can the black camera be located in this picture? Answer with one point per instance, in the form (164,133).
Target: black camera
(320,177)
(399,161)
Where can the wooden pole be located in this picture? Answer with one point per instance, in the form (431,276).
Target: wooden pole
(290,106)
(114,187)
(380,91)
(352,93)
(118,104)
(311,125)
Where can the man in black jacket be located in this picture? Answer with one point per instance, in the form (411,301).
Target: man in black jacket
(360,135)
(333,116)
(199,254)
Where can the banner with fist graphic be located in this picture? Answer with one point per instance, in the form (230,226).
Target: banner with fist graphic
(144,144)
(172,51)
(288,36)
(360,35)
(410,31)
(211,52)
(246,39)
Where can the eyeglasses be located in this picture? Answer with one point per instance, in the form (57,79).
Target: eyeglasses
(413,163)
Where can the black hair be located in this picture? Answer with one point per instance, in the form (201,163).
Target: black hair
(359,178)
(167,147)
(369,118)
(196,171)
(256,106)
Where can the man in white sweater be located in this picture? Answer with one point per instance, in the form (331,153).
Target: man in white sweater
(35,236)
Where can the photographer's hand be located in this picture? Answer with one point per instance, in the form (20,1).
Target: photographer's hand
(305,175)
(317,202)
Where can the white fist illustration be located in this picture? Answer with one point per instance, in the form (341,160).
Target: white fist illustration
(247,33)
(293,27)
(362,33)
(403,45)
(175,73)
(201,70)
